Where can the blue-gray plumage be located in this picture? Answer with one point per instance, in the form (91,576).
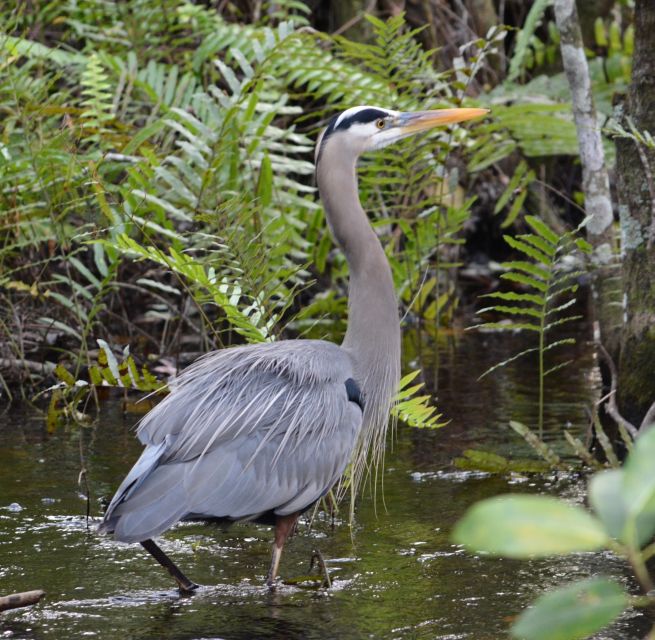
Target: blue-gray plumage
(245,431)
(261,432)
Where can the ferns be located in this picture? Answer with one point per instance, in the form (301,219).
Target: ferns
(547,294)
(97,103)
(189,178)
(226,294)
(535,15)
(415,410)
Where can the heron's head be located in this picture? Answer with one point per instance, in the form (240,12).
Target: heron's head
(361,129)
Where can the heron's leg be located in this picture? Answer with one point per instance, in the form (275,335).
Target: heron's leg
(284,526)
(185,585)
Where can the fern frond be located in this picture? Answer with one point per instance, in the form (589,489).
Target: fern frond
(549,281)
(412,409)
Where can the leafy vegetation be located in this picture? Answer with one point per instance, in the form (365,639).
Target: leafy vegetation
(548,283)
(158,201)
(529,526)
(187,184)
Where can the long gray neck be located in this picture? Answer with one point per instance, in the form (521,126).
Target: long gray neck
(373,335)
(372,306)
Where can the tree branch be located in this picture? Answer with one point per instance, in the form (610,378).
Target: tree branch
(17,600)
(611,406)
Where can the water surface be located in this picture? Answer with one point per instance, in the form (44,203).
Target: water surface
(396,575)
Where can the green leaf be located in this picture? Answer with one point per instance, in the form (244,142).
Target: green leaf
(525,34)
(529,268)
(515,209)
(142,135)
(513,185)
(606,499)
(517,297)
(639,480)
(64,376)
(575,611)
(638,491)
(482,461)
(524,526)
(528,250)
(508,326)
(265,182)
(415,411)
(31,49)
(526,280)
(95,375)
(540,243)
(112,363)
(582,451)
(584,246)
(541,228)
(514,311)
(537,444)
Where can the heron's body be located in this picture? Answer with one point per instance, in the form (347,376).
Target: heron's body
(261,432)
(247,433)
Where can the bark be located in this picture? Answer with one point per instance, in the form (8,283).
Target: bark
(595,179)
(635,168)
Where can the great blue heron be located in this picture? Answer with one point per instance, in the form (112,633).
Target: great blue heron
(261,432)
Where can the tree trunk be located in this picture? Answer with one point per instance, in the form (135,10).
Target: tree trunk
(595,179)
(635,169)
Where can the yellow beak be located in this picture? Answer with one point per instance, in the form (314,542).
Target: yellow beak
(416,121)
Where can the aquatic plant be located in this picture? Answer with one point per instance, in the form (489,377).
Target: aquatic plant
(534,526)
(548,284)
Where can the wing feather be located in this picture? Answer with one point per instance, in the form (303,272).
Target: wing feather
(244,431)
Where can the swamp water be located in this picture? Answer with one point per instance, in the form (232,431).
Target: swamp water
(398,576)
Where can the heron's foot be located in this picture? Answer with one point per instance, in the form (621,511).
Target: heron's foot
(312,580)
(317,557)
(187,588)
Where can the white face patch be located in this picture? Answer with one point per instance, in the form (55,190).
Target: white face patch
(362,128)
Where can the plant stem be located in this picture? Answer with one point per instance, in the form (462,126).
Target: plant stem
(648,552)
(541,377)
(641,572)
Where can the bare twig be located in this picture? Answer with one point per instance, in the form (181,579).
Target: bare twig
(31,365)
(611,406)
(17,600)
(355,19)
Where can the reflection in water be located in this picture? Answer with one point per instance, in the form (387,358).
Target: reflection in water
(401,579)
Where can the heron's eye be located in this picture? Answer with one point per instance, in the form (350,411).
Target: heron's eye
(380,123)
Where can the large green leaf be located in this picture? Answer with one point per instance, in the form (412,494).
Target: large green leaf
(625,499)
(522,526)
(605,496)
(639,479)
(575,611)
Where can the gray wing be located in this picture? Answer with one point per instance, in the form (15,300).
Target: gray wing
(245,431)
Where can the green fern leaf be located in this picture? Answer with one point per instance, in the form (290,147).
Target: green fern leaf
(528,250)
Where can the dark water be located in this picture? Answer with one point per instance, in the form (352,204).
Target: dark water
(396,575)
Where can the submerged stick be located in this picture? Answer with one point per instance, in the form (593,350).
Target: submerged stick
(17,600)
